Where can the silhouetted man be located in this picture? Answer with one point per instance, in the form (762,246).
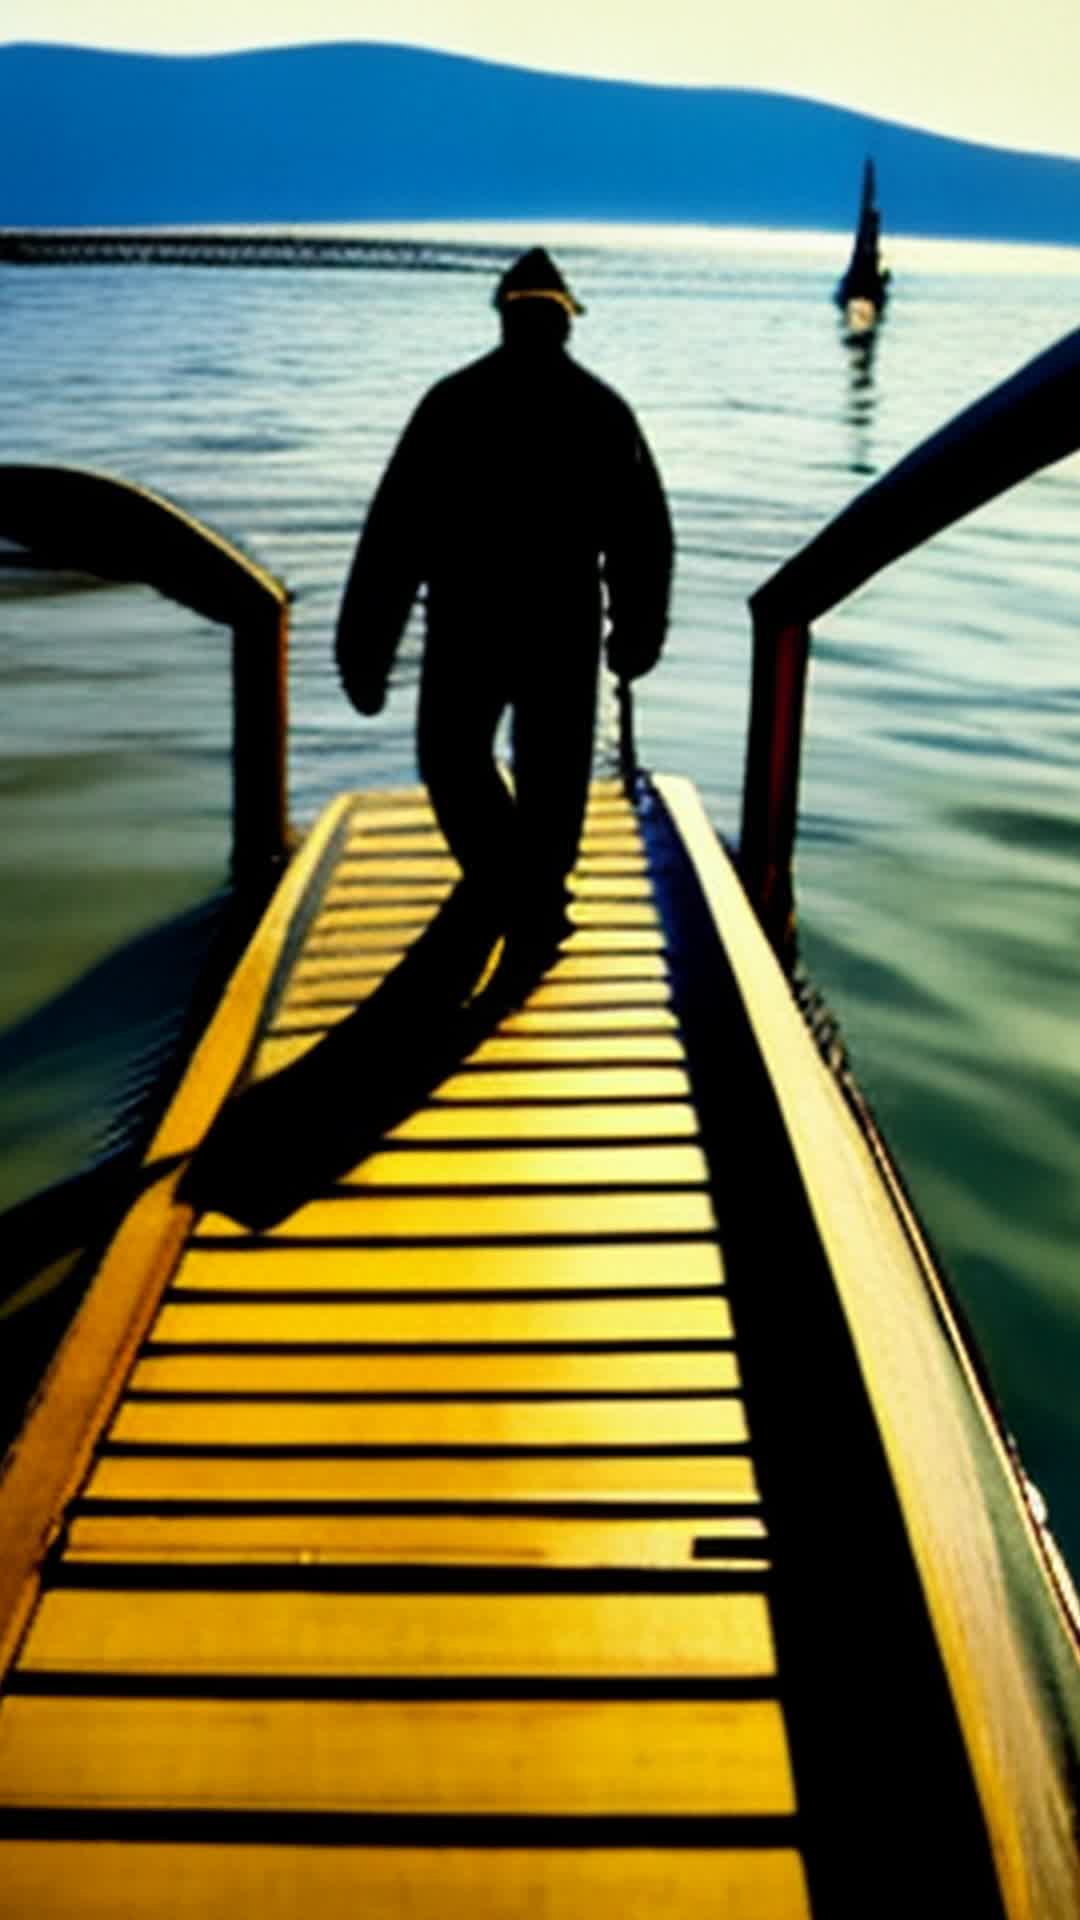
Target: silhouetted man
(521,490)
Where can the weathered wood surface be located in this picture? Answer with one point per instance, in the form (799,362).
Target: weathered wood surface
(429,1513)
(432,1501)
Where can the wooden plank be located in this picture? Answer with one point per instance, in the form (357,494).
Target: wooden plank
(516,1635)
(402,838)
(587,912)
(565,1083)
(308,1006)
(330,986)
(354,1214)
(610,935)
(317,975)
(404,910)
(274,1267)
(706,1758)
(576,1480)
(356,944)
(580,961)
(69,1880)
(427,1322)
(666,1120)
(339,1539)
(565,1017)
(227,1371)
(620,885)
(449,1424)
(599,1164)
(365,864)
(587,1049)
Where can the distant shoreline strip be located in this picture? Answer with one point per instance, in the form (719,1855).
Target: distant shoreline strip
(165,247)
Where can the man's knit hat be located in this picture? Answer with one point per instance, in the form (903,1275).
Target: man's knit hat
(535,277)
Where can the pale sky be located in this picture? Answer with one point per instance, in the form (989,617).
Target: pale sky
(1002,71)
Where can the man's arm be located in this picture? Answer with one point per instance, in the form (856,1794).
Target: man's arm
(386,572)
(638,563)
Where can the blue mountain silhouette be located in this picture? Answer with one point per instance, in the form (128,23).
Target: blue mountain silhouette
(362,132)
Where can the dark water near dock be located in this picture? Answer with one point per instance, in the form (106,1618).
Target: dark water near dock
(939,858)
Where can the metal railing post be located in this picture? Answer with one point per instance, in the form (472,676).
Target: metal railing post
(771,782)
(627,751)
(1022,425)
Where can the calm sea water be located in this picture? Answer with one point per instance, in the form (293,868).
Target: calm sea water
(939,858)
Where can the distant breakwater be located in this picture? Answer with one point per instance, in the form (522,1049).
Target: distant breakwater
(161,247)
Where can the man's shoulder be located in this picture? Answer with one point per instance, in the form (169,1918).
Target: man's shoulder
(599,393)
(462,381)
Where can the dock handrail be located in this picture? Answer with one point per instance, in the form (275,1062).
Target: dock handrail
(78,520)
(1025,423)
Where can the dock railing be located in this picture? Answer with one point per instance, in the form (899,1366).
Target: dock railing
(85,522)
(1026,423)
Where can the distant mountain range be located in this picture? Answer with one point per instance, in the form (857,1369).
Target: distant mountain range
(363,132)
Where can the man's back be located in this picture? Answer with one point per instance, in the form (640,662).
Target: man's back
(524,463)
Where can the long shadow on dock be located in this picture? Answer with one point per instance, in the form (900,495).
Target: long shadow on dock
(283,1140)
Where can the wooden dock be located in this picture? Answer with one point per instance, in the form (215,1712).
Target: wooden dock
(507,1521)
(239,247)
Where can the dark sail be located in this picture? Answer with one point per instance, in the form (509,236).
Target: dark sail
(866,279)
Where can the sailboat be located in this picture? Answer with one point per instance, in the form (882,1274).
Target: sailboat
(862,292)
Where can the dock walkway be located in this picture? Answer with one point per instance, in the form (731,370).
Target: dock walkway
(421,1558)
(498,1489)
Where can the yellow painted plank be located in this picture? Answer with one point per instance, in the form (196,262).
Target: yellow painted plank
(613,913)
(588,1423)
(691,1479)
(409,1217)
(583,1165)
(578,966)
(684,1635)
(617,884)
(610,850)
(365,864)
(350,896)
(564,1083)
(506,1373)
(403,838)
(455,1269)
(590,885)
(362,940)
(68,1880)
(659,1120)
(387,811)
(334,988)
(307,1005)
(585,1049)
(503,1540)
(611,934)
(541,1016)
(273,1055)
(423,1321)
(585,1757)
(609,937)
(318,974)
(386,911)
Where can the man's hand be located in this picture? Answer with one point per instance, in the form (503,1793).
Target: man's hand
(366,694)
(633,649)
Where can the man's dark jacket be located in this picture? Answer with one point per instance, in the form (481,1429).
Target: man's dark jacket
(517,481)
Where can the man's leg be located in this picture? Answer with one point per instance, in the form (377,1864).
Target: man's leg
(459,711)
(554,718)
